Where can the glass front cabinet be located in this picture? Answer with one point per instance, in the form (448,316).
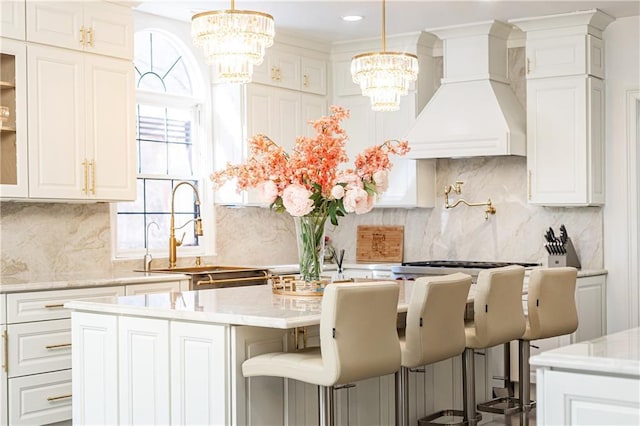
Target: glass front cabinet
(13,150)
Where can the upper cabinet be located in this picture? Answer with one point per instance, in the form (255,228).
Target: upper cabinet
(13,123)
(86,149)
(411,182)
(12,19)
(96,27)
(291,69)
(70,131)
(565,108)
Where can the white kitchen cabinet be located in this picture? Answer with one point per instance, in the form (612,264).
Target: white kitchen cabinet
(96,27)
(40,399)
(95,367)
(86,150)
(5,366)
(289,68)
(280,114)
(143,371)
(13,133)
(565,140)
(565,108)
(12,19)
(579,398)
(563,56)
(163,287)
(196,352)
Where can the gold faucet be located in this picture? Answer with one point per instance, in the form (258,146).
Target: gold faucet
(457,188)
(173,242)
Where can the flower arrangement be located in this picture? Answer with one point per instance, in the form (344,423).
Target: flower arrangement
(310,184)
(309,180)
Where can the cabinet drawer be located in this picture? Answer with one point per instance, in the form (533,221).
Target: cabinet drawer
(39,347)
(168,287)
(48,305)
(564,56)
(40,399)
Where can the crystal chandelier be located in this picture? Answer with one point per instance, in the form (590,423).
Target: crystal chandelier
(384,76)
(233,41)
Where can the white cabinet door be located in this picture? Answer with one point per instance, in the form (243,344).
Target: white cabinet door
(256,400)
(198,383)
(13,136)
(3,373)
(97,27)
(565,125)
(564,56)
(86,150)
(590,302)
(12,19)
(56,108)
(580,399)
(110,128)
(143,371)
(95,368)
(314,75)
(313,107)
(280,69)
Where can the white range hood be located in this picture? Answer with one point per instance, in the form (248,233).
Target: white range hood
(474,112)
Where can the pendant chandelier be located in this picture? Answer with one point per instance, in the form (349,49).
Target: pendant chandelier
(384,76)
(233,41)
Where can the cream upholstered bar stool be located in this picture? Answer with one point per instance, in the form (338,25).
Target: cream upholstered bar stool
(358,340)
(498,318)
(434,332)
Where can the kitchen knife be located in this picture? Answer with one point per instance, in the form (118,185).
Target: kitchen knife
(552,234)
(563,234)
(546,246)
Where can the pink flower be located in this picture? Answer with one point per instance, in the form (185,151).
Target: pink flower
(351,179)
(295,199)
(337,192)
(268,191)
(381,179)
(357,200)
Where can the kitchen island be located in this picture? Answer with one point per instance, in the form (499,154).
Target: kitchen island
(591,382)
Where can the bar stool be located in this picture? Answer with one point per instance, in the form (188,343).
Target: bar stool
(498,319)
(434,332)
(358,340)
(552,312)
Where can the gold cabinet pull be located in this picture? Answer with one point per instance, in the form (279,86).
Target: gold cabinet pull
(58,346)
(276,74)
(90,40)
(528,65)
(82,34)
(59,397)
(85,186)
(5,364)
(305,80)
(92,164)
(53,306)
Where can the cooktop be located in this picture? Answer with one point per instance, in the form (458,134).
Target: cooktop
(466,264)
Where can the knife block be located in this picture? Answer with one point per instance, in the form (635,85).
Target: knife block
(570,258)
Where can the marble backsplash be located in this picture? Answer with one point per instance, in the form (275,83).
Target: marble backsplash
(40,237)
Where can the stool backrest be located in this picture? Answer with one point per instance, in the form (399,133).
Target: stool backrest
(498,313)
(552,302)
(358,335)
(435,319)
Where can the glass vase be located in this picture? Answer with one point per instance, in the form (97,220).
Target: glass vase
(310,235)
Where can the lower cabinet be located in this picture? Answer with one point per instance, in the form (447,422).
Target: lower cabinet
(35,380)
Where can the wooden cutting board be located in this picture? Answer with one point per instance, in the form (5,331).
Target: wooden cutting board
(379,244)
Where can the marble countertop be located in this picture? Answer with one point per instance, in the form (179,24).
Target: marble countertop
(617,353)
(58,281)
(251,305)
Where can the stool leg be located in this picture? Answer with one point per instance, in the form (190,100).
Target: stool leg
(524,386)
(325,406)
(402,396)
(469,387)
(506,359)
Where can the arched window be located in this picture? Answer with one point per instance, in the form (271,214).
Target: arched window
(169,140)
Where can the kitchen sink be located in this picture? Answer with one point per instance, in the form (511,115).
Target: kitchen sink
(217,276)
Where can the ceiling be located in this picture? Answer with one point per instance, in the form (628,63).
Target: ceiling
(321,19)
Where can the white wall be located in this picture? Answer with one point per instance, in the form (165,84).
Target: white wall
(621,215)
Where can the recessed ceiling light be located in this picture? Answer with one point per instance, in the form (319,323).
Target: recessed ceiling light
(352,18)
